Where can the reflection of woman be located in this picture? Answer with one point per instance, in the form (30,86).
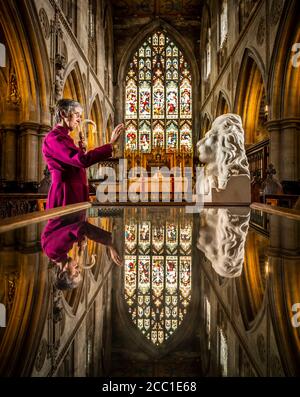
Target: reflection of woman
(58,238)
(67,162)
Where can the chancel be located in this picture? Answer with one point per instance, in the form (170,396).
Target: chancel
(149,189)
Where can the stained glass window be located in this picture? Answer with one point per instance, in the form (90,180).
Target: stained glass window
(158,275)
(158,103)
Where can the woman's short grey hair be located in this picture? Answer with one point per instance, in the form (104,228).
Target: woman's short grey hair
(67,106)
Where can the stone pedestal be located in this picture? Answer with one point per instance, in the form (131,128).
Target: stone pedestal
(237,192)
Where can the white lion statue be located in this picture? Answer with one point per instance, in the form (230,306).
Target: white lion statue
(222,238)
(222,151)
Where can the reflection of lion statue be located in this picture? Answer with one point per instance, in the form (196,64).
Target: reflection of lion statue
(222,238)
(222,150)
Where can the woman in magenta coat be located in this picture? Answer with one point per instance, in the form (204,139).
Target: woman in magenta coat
(66,161)
(58,238)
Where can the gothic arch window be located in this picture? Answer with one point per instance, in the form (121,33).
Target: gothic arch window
(158,104)
(92,50)
(158,274)
(208,54)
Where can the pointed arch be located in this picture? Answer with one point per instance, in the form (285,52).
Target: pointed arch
(23,34)
(223,104)
(205,124)
(74,89)
(146,31)
(74,85)
(251,97)
(108,48)
(108,130)
(96,116)
(205,42)
(251,286)
(28,310)
(284,78)
(185,48)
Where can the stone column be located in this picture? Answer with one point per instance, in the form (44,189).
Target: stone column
(285,147)
(29,151)
(41,163)
(290,148)
(9,153)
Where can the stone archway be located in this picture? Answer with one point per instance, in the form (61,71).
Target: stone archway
(223,104)
(96,116)
(25,115)
(251,98)
(74,89)
(284,87)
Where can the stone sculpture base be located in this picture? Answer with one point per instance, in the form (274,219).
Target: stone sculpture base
(237,192)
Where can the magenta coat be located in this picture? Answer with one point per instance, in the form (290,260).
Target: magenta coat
(67,163)
(60,234)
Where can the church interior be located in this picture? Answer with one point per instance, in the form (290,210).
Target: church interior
(156,290)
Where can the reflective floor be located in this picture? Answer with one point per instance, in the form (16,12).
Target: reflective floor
(151,292)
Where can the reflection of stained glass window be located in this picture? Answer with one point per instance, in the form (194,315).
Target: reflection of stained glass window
(158,275)
(158,87)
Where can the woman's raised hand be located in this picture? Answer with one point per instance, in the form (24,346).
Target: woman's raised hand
(116,133)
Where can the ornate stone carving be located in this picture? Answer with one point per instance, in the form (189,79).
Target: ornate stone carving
(41,355)
(44,23)
(14,97)
(261,32)
(275,12)
(59,76)
(226,230)
(223,151)
(261,347)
